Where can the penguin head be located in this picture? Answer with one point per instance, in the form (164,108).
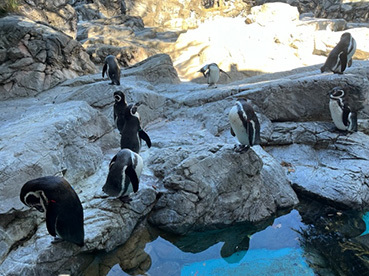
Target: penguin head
(36,199)
(346,36)
(337,93)
(119,97)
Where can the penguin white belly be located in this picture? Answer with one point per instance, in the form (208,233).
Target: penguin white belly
(213,75)
(238,127)
(336,114)
(136,158)
(352,48)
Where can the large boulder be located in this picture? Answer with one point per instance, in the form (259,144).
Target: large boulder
(208,184)
(46,140)
(329,165)
(114,36)
(59,14)
(35,57)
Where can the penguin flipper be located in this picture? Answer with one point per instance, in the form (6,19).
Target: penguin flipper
(224,73)
(343,60)
(345,115)
(250,131)
(70,228)
(51,215)
(143,135)
(105,67)
(131,173)
(232,132)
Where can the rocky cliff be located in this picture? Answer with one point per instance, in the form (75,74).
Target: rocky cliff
(193,179)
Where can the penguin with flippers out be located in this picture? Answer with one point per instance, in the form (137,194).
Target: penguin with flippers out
(132,133)
(211,72)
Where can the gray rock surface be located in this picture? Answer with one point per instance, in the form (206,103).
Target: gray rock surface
(35,57)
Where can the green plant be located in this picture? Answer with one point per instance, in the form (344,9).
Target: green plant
(8,6)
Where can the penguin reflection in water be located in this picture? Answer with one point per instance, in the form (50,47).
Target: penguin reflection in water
(112,68)
(341,55)
(342,114)
(124,171)
(64,213)
(244,125)
(132,133)
(212,73)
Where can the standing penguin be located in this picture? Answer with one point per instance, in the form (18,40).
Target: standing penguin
(120,106)
(132,133)
(124,171)
(64,212)
(341,55)
(212,72)
(112,68)
(342,114)
(244,125)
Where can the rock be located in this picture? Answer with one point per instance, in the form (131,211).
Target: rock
(325,41)
(37,58)
(63,138)
(88,10)
(156,69)
(114,36)
(210,180)
(275,13)
(328,165)
(58,14)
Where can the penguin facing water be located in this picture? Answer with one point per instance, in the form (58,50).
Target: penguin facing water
(112,68)
(342,114)
(124,172)
(212,73)
(132,133)
(119,108)
(341,55)
(244,125)
(64,213)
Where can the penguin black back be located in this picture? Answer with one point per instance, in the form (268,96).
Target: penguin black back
(111,66)
(64,212)
(341,55)
(120,106)
(124,171)
(132,132)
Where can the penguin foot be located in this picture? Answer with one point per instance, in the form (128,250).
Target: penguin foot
(112,83)
(125,199)
(56,240)
(241,148)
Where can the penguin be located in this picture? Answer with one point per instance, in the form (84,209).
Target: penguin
(120,106)
(341,55)
(132,132)
(342,114)
(124,172)
(64,213)
(244,125)
(112,68)
(212,72)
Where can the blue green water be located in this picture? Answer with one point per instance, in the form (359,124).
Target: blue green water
(366,220)
(275,250)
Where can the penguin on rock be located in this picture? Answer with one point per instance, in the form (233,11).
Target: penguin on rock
(341,56)
(124,172)
(64,213)
(132,133)
(343,116)
(212,73)
(112,68)
(120,106)
(244,125)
